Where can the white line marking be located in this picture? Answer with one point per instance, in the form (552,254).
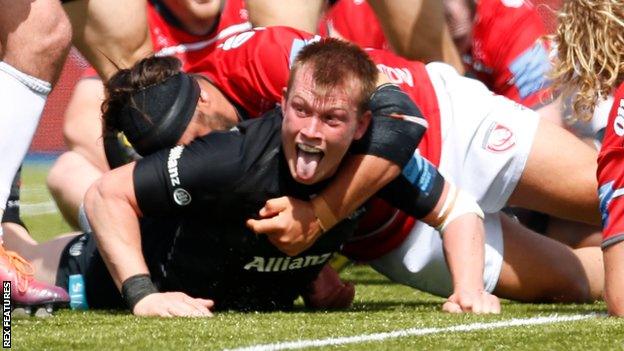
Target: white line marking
(291,345)
(38,208)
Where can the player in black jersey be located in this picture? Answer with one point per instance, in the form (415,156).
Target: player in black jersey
(194,200)
(217,182)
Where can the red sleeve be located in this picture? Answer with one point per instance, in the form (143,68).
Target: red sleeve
(251,68)
(509,45)
(611,174)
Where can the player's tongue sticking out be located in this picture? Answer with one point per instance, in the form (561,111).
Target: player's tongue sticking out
(308,158)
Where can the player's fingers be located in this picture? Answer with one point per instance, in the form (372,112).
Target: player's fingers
(274,206)
(182,309)
(451,307)
(201,306)
(263,226)
(493,304)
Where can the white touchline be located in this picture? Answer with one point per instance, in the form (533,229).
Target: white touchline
(300,344)
(38,208)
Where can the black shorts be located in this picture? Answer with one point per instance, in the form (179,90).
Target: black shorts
(81,256)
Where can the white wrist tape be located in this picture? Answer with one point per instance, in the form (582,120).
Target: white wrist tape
(456,204)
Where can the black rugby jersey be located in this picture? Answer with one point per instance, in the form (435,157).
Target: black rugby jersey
(212,186)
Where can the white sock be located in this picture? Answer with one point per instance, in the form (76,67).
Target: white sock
(22,98)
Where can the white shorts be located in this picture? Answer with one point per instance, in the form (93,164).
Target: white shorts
(486,140)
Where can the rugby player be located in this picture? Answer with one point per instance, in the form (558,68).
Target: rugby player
(593,71)
(34,41)
(221,179)
(502,133)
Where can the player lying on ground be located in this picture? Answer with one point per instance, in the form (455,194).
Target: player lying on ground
(223,178)
(527,255)
(594,68)
(509,145)
(495,149)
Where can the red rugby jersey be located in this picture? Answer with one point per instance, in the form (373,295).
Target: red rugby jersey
(611,173)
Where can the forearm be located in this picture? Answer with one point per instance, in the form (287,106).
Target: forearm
(358,179)
(464,248)
(115,223)
(395,131)
(614,278)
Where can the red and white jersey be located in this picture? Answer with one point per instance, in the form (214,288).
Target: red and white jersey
(509,52)
(611,173)
(252,69)
(355,21)
(169,40)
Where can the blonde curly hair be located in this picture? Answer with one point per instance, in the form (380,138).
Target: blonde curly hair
(590,51)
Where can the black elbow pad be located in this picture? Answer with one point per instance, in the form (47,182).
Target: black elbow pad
(396,128)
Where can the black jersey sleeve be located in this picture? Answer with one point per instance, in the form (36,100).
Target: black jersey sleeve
(417,190)
(396,128)
(198,176)
(185,178)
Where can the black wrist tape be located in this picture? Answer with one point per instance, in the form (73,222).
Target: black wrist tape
(135,288)
(396,128)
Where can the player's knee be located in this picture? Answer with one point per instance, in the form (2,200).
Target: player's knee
(571,287)
(58,176)
(58,39)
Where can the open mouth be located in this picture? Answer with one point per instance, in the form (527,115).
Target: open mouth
(308,158)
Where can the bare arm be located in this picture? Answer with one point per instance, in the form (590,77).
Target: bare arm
(459,219)
(113,212)
(614,282)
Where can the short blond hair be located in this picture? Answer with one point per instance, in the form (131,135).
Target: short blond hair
(590,52)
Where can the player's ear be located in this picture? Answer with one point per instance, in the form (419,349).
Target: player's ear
(284,96)
(362,125)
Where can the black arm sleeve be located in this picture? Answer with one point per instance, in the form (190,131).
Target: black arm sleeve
(417,190)
(396,128)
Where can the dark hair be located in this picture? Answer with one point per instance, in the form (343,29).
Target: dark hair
(152,103)
(126,82)
(334,62)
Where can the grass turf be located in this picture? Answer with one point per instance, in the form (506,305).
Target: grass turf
(380,306)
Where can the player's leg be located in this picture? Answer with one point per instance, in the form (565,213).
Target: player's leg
(34,41)
(86,160)
(69,191)
(26,291)
(300,14)
(559,176)
(110,33)
(537,268)
(417,29)
(44,257)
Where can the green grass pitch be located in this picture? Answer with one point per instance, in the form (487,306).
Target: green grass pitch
(380,307)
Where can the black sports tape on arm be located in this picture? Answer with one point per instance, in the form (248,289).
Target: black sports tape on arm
(390,135)
(407,197)
(135,288)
